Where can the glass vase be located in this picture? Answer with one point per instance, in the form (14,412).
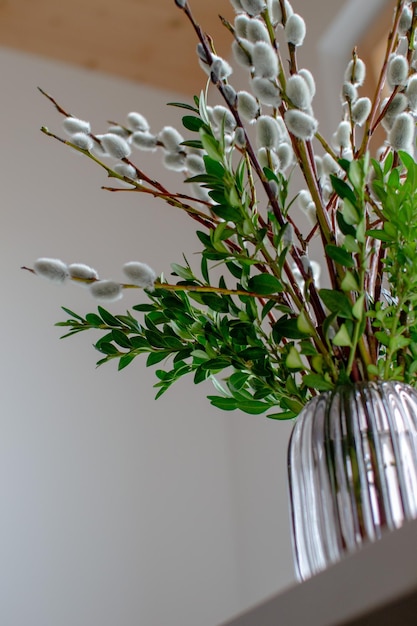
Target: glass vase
(352,470)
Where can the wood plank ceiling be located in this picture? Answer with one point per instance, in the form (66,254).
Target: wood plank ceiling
(146,41)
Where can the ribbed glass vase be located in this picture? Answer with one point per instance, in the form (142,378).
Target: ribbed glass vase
(352,470)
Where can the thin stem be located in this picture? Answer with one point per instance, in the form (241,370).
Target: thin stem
(369,125)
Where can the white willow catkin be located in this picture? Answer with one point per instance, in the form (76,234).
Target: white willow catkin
(267,132)
(405,20)
(51,269)
(219,69)
(295,30)
(304,198)
(397,71)
(125,169)
(195,164)
(140,274)
(298,92)
(300,124)
(349,92)
(355,72)
(242,52)
(266,91)
(175,161)
(401,134)
(360,110)
(230,95)
(276,12)
(241,24)
(136,121)
(329,165)
(268,158)
(286,155)
(83,141)
(240,137)
(118,130)
(106,290)
(265,60)
(79,271)
(343,135)
(309,78)
(74,125)
(247,106)
(257,31)
(397,105)
(144,141)
(170,138)
(253,7)
(236,4)
(116,146)
(411,92)
(224,116)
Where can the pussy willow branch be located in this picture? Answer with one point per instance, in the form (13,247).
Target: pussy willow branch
(369,124)
(139,172)
(315,300)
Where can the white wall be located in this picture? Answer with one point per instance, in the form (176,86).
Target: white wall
(115,509)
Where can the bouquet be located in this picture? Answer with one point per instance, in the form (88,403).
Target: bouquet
(269,325)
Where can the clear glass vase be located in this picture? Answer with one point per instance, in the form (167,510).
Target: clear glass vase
(352,470)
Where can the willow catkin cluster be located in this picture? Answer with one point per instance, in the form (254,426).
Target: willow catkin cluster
(138,274)
(276,108)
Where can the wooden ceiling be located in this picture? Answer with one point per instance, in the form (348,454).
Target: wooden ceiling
(149,41)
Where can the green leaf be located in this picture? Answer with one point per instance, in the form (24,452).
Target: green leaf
(72,314)
(182,105)
(238,380)
(94,320)
(284,415)
(345,228)
(226,404)
(121,339)
(211,145)
(316,381)
(350,212)
(253,407)
(107,317)
(214,168)
(215,302)
(342,337)
(336,302)
(288,328)
(342,189)
(192,123)
(294,405)
(251,354)
(215,364)
(349,282)
(358,308)
(192,143)
(264,284)
(293,360)
(200,375)
(156,357)
(227,212)
(382,235)
(125,360)
(106,348)
(182,272)
(144,308)
(340,255)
